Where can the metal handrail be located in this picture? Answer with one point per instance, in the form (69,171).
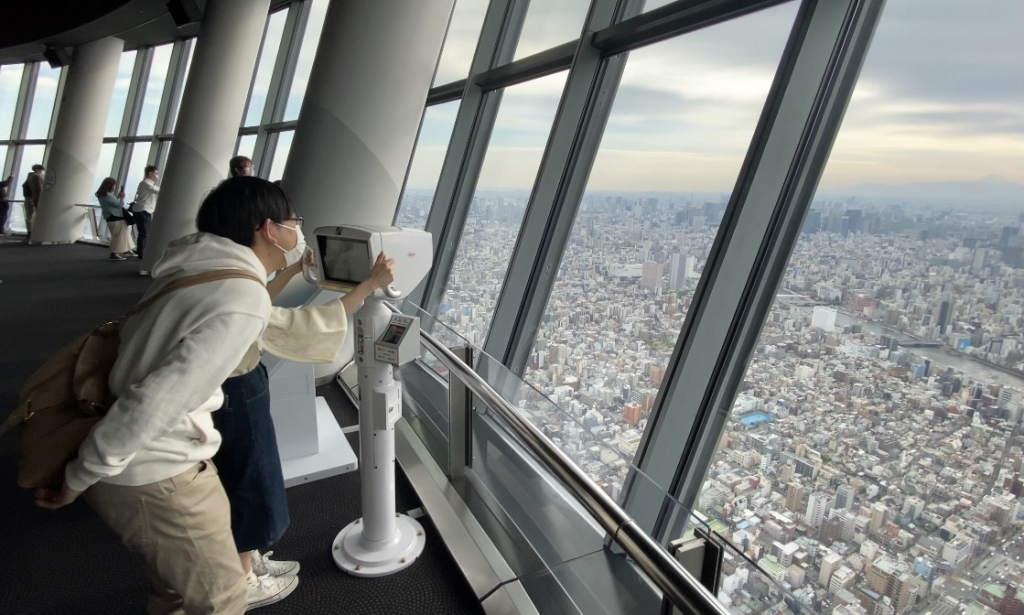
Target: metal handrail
(679,585)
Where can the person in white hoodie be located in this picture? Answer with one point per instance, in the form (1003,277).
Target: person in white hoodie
(146,467)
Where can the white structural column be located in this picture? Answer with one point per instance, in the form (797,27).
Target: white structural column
(210,113)
(77,139)
(361,112)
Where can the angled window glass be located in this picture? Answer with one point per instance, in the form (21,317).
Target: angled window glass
(10,86)
(103,168)
(136,168)
(676,137)
(506,179)
(161,61)
(435,134)
(878,424)
(184,82)
(460,41)
(284,145)
(115,115)
(307,51)
(246,146)
(550,23)
(265,68)
(43,102)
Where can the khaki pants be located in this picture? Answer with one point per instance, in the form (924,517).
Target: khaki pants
(30,214)
(182,527)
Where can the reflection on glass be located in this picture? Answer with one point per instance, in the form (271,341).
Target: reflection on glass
(550,23)
(181,91)
(115,115)
(284,145)
(876,439)
(265,68)
(136,168)
(10,85)
(460,41)
(43,102)
(509,169)
(103,171)
(307,51)
(161,62)
(246,145)
(671,150)
(30,155)
(435,133)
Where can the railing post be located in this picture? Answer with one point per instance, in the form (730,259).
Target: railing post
(460,417)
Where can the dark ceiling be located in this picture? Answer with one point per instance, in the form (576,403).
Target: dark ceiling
(29,27)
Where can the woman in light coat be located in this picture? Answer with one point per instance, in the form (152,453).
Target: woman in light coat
(121,243)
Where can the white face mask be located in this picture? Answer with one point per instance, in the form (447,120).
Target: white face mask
(295,254)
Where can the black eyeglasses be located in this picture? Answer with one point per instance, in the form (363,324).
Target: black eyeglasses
(298,221)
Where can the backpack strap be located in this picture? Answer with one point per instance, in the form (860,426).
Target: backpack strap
(192,280)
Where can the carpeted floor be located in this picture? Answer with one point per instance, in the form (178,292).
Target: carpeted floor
(67,562)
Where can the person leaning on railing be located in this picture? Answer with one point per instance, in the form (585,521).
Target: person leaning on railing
(122,246)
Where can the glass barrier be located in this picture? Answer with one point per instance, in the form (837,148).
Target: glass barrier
(558,550)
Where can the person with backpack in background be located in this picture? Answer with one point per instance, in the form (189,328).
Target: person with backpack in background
(146,467)
(32,189)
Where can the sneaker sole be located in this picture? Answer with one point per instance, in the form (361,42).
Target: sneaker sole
(279,597)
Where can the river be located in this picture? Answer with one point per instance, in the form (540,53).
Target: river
(978,371)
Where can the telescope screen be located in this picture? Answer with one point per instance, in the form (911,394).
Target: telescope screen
(346,261)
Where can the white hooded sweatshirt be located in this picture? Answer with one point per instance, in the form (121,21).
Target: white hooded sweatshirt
(173,358)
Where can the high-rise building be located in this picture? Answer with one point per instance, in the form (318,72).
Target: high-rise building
(650,276)
(879,515)
(829,564)
(824,318)
(795,496)
(631,413)
(844,497)
(817,507)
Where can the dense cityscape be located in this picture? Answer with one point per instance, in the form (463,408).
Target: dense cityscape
(872,461)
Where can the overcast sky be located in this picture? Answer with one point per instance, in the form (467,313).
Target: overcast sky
(941,97)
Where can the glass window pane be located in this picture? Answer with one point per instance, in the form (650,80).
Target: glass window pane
(10,86)
(550,23)
(284,145)
(136,168)
(103,168)
(880,414)
(506,178)
(188,67)
(460,41)
(43,102)
(310,39)
(246,146)
(115,116)
(670,154)
(436,132)
(265,68)
(30,155)
(154,89)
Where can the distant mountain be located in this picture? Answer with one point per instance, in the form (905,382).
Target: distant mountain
(994,193)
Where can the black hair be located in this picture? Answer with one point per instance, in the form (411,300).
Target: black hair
(149,169)
(237,207)
(236,163)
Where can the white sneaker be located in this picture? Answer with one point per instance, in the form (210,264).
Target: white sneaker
(262,564)
(264,590)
